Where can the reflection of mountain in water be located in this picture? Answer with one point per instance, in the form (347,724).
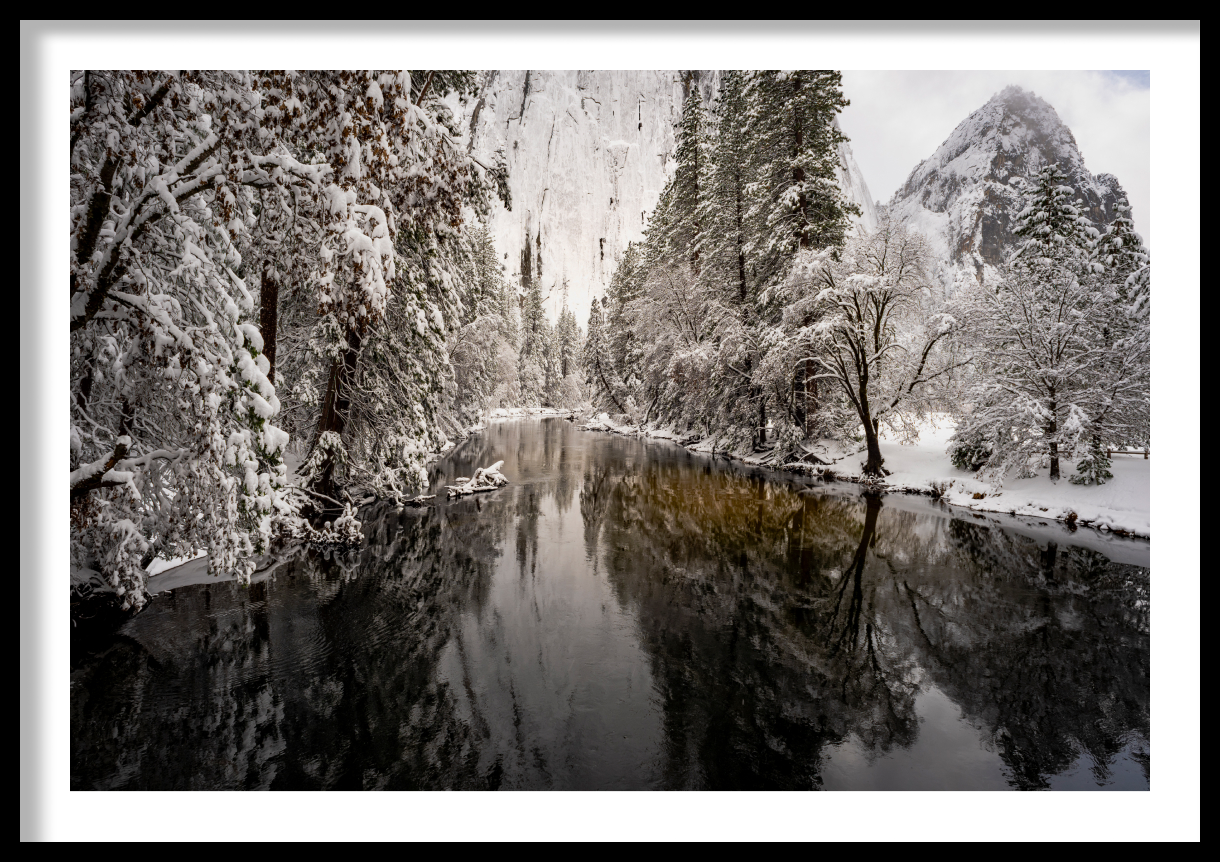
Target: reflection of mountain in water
(684,624)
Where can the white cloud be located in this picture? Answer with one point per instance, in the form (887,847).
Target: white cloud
(898,119)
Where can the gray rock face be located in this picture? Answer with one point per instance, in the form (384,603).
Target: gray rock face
(966,195)
(588,155)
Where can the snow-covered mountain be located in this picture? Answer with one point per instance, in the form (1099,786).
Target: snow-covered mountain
(588,154)
(964,198)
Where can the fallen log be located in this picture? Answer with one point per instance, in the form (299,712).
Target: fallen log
(484,479)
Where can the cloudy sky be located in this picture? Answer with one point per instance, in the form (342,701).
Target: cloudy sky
(898,119)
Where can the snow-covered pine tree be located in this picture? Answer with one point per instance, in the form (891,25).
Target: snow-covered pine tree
(626,286)
(1120,414)
(1094,468)
(598,364)
(1040,342)
(1054,230)
(567,334)
(724,206)
(675,233)
(796,202)
(405,151)
(535,343)
(475,346)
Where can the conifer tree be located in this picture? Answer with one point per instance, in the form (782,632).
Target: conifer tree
(724,206)
(597,361)
(1041,339)
(1120,414)
(796,202)
(567,334)
(676,230)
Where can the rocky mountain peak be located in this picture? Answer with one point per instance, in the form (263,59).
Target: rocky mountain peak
(966,195)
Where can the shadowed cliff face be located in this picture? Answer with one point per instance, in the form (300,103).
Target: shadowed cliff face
(964,198)
(630,615)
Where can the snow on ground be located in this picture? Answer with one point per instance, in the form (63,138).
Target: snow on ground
(1121,505)
(501,414)
(195,571)
(160,564)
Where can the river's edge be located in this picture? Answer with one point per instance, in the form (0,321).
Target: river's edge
(827,472)
(185,572)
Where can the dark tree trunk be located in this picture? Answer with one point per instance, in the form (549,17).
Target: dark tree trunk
(269,298)
(800,399)
(811,395)
(873,465)
(1051,428)
(336,407)
(86,388)
(762,420)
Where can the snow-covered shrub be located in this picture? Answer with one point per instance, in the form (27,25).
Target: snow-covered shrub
(1094,468)
(969,453)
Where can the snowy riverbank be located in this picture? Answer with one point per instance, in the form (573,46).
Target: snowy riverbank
(1122,505)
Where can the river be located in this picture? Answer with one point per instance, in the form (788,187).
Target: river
(629,615)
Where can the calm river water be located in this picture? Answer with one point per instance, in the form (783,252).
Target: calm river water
(628,615)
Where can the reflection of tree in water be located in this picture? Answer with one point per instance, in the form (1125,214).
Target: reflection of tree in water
(1046,648)
(758,612)
(781,622)
(776,622)
(335,689)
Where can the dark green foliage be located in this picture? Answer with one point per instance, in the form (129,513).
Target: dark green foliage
(969,454)
(1095,468)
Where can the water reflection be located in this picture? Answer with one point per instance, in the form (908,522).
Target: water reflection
(629,615)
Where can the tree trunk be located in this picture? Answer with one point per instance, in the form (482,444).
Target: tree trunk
(741,254)
(1051,428)
(336,407)
(86,388)
(811,388)
(873,466)
(269,298)
(762,421)
(800,400)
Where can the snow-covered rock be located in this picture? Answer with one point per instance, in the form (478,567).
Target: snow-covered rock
(966,195)
(588,154)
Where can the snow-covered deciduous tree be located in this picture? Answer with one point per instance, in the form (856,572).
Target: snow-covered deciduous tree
(870,323)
